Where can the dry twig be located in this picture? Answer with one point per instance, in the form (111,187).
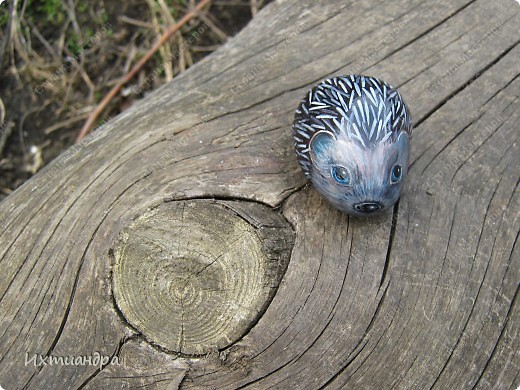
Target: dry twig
(102,105)
(254,8)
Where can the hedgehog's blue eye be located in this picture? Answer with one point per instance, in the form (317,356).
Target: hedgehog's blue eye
(397,173)
(340,174)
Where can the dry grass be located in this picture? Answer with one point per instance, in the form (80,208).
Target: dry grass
(58,62)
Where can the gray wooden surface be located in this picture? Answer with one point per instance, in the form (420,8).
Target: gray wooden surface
(422,297)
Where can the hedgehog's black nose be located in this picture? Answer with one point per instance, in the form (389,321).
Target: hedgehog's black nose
(368,207)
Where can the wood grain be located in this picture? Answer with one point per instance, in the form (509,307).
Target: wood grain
(424,296)
(193,276)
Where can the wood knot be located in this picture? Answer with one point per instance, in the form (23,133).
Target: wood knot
(195,276)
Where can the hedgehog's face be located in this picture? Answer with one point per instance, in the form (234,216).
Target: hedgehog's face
(355,179)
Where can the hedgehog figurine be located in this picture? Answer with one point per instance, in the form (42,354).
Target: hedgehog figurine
(352,138)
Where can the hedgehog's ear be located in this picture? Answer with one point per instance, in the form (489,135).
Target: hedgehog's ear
(403,141)
(403,145)
(320,145)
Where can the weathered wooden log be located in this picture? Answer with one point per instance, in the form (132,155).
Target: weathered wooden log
(130,250)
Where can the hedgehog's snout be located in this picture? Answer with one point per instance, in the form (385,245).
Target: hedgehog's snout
(368,207)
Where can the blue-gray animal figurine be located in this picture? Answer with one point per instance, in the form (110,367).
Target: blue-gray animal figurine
(352,138)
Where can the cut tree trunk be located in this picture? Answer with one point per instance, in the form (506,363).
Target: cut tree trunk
(179,245)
